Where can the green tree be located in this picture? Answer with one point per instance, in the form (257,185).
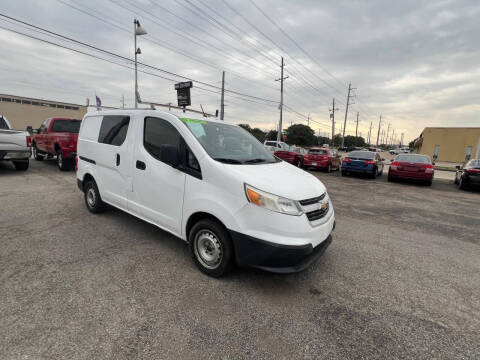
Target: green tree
(258,133)
(271,135)
(323,140)
(302,135)
(337,140)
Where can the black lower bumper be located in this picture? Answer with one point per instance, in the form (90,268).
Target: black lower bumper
(276,258)
(80,184)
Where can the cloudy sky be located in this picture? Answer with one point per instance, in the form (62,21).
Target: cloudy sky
(415,62)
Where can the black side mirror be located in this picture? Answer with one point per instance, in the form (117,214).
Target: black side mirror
(29,129)
(170,155)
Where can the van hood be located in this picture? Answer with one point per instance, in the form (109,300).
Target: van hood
(282,179)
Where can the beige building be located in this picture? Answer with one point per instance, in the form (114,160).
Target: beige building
(22,111)
(449,144)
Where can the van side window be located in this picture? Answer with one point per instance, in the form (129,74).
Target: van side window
(114,129)
(159,132)
(192,161)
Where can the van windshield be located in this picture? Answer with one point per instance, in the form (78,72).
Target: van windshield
(228,143)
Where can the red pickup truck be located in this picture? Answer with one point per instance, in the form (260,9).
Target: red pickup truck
(57,137)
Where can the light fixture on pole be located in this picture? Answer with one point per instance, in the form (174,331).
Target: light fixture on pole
(137,30)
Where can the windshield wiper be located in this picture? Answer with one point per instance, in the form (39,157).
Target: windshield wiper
(253,161)
(228,161)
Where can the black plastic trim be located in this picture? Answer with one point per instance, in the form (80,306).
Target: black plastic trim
(87,160)
(276,258)
(80,184)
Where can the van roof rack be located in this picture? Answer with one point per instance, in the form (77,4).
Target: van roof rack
(184,109)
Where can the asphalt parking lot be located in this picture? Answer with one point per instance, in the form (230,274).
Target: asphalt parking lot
(400,280)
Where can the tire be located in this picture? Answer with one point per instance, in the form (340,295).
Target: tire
(36,156)
(21,165)
(374,174)
(429,182)
(390,179)
(211,248)
(329,168)
(344,173)
(299,163)
(93,200)
(461,184)
(62,163)
(455,181)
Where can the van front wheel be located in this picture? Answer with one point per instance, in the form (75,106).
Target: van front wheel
(211,248)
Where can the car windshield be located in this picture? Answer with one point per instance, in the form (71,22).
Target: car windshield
(318,152)
(361,155)
(422,159)
(69,126)
(475,164)
(228,143)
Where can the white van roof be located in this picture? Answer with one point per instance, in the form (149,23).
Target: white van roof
(152,112)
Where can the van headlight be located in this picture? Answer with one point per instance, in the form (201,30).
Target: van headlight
(272,202)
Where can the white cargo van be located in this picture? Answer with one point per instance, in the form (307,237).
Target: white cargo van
(209,183)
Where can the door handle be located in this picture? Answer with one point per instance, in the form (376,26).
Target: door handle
(118,159)
(140,165)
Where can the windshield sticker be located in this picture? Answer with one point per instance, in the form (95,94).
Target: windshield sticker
(188,120)
(196,128)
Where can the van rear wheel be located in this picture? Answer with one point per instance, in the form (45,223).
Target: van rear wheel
(211,248)
(93,201)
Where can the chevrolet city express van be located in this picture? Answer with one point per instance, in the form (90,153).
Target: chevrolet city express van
(207,182)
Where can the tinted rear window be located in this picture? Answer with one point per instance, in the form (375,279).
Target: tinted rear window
(362,155)
(114,129)
(69,126)
(413,158)
(318,152)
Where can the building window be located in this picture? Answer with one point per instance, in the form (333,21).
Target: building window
(74,108)
(60,106)
(52,105)
(35,103)
(7,99)
(18,101)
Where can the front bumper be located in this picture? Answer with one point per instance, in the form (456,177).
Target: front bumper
(275,258)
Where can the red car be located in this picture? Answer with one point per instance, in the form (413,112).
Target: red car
(411,166)
(322,158)
(293,155)
(57,137)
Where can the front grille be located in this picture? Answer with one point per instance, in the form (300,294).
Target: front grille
(317,214)
(312,200)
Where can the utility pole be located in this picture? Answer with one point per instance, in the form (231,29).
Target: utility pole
(401,141)
(379,124)
(308,120)
(279,134)
(332,116)
(392,139)
(123,101)
(370,134)
(222,98)
(356,129)
(346,112)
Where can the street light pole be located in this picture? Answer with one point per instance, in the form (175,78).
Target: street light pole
(137,30)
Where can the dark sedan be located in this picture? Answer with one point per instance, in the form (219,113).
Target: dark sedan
(363,162)
(413,167)
(468,175)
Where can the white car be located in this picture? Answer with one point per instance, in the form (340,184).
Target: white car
(278,145)
(209,183)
